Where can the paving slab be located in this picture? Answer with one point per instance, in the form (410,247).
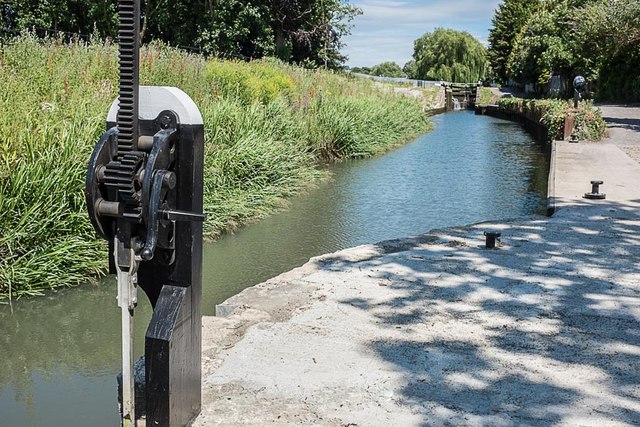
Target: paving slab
(575,165)
(623,124)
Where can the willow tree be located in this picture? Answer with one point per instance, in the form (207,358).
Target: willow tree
(387,69)
(450,55)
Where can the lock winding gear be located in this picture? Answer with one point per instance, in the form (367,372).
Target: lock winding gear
(123,178)
(135,187)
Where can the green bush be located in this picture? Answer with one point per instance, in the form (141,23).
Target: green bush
(589,124)
(486,96)
(553,112)
(256,81)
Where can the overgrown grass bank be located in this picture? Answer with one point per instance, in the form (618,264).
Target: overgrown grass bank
(486,96)
(268,126)
(589,124)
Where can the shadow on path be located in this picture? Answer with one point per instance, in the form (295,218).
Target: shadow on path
(628,124)
(543,330)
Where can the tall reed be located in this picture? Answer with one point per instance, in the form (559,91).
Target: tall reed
(268,125)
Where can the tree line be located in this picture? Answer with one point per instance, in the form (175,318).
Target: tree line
(306,32)
(534,40)
(444,54)
(531,42)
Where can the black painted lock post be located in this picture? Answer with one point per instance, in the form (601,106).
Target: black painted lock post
(172,276)
(595,191)
(144,193)
(161,214)
(491,237)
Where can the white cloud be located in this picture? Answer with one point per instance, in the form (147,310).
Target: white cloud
(387,29)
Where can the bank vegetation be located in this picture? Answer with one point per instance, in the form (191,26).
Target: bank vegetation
(543,44)
(269,127)
(552,113)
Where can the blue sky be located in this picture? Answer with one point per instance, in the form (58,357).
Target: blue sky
(387,29)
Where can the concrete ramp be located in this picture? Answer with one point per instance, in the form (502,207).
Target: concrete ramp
(438,331)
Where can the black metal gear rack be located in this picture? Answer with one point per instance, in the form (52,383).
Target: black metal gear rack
(144,196)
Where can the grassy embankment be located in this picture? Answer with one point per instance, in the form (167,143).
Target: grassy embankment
(486,96)
(268,127)
(431,97)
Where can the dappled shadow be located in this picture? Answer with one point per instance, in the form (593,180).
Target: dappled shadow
(628,124)
(543,330)
(468,395)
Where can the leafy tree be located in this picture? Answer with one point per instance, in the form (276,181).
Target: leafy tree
(539,51)
(608,33)
(337,18)
(450,55)
(387,69)
(546,46)
(230,28)
(76,16)
(411,69)
(599,39)
(508,21)
(607,27)
(361,70)
(310,32)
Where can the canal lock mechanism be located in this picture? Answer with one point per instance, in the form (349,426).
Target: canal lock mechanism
(144,190)
(460,96)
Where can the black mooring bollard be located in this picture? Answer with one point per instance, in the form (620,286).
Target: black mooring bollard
(595,191)
(491,236)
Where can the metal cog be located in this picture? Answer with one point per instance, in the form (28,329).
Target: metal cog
(120,176)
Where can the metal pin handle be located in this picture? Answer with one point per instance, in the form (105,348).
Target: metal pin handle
(176,215)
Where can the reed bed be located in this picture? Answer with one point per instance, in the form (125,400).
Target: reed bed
(268,128)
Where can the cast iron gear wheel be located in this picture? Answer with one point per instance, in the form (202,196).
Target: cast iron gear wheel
(122,176)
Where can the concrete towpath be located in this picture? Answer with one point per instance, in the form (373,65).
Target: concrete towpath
(437,330)
(614,161)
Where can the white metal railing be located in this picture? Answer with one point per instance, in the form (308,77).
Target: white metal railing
(418,83)
(403,80)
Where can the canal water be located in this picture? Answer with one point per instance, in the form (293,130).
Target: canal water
(59,354)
